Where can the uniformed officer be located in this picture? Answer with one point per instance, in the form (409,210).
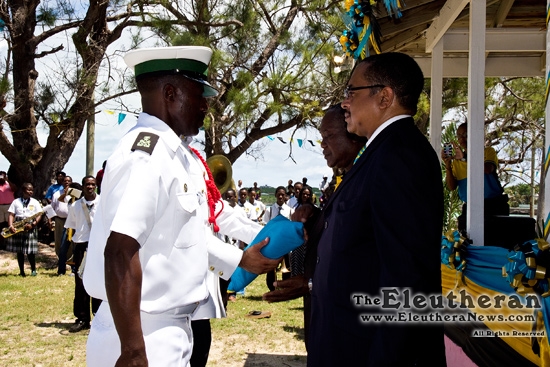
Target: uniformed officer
(151,243)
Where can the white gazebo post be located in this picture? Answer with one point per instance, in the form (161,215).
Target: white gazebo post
(436,98)
(476,122)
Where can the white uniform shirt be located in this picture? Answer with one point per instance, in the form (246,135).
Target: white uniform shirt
(271,212)
(61,207)
(22,211)
(77,218)
(256,209)
(159,199)
(234,224)
(246,208)
(293,202)
(238,211)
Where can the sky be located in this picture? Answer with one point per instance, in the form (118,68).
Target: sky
(274,169)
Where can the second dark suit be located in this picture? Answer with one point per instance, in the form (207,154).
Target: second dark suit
(382,229)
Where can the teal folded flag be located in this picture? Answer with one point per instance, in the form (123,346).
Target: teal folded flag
(284,236)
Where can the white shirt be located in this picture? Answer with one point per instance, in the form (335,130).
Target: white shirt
(61,207)
(159,199)
(78,219)
(292,202)
(234,224)
(247,208)
(21,211)
(238,211)
(256,209)
(271,212)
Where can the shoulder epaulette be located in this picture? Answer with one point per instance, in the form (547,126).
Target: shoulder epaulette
(146,142)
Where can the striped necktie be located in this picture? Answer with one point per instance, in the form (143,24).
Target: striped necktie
(360,153)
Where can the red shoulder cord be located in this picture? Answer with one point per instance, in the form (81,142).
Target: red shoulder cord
(213,194)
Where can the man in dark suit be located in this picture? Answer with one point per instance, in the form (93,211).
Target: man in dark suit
(382,228)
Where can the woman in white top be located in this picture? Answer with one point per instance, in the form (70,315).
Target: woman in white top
(26,241)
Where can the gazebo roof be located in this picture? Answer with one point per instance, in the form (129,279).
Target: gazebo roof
(515,35)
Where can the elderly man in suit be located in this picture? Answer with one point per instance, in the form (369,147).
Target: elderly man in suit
(382,227)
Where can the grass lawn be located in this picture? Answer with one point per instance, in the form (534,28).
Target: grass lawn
(36,313)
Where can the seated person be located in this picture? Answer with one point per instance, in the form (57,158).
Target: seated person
(456,168)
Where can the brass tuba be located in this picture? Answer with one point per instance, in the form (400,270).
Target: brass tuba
(222,172)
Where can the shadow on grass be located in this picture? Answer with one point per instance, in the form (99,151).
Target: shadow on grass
(297,331)
(28,275)
(274,360)
(254,298)
(298,308)
(63,326)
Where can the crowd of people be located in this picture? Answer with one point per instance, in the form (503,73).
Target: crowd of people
(68,209)
(158,265)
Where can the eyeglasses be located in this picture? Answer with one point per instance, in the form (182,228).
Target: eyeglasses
(349,89)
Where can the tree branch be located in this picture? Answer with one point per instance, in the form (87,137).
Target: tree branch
(52,51)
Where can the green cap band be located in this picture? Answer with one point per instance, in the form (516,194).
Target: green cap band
(171,64)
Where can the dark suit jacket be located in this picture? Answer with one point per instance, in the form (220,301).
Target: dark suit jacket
(382,229)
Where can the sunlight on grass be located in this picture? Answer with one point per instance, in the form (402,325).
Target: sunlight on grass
(37,313)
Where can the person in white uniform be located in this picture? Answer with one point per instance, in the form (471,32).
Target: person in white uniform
(151,243)
(80,218)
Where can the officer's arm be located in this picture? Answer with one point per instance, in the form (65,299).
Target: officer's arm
(123,284)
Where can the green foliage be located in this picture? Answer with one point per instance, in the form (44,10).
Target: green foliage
(452,205)
(46,16)
(451,209)
(5,86)
(514,123)
(520,194)
(269,74)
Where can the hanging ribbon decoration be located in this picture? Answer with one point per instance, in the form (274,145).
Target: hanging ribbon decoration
(362,26)
(527,270)
(453,250)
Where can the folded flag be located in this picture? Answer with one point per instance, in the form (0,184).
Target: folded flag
(284,236)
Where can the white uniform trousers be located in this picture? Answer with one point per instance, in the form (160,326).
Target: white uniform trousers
(168,339)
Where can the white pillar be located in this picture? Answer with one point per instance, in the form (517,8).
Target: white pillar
(476,118)
(436,98)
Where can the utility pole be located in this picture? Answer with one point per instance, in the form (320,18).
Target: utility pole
(90,142)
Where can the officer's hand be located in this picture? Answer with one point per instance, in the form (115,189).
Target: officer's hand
(133,359)
(287,289)
(255,262)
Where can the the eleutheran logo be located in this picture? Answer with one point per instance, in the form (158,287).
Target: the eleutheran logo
(402,305)
(404,299)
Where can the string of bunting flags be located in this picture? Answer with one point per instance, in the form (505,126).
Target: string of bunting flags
(299,141)
(122,115)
